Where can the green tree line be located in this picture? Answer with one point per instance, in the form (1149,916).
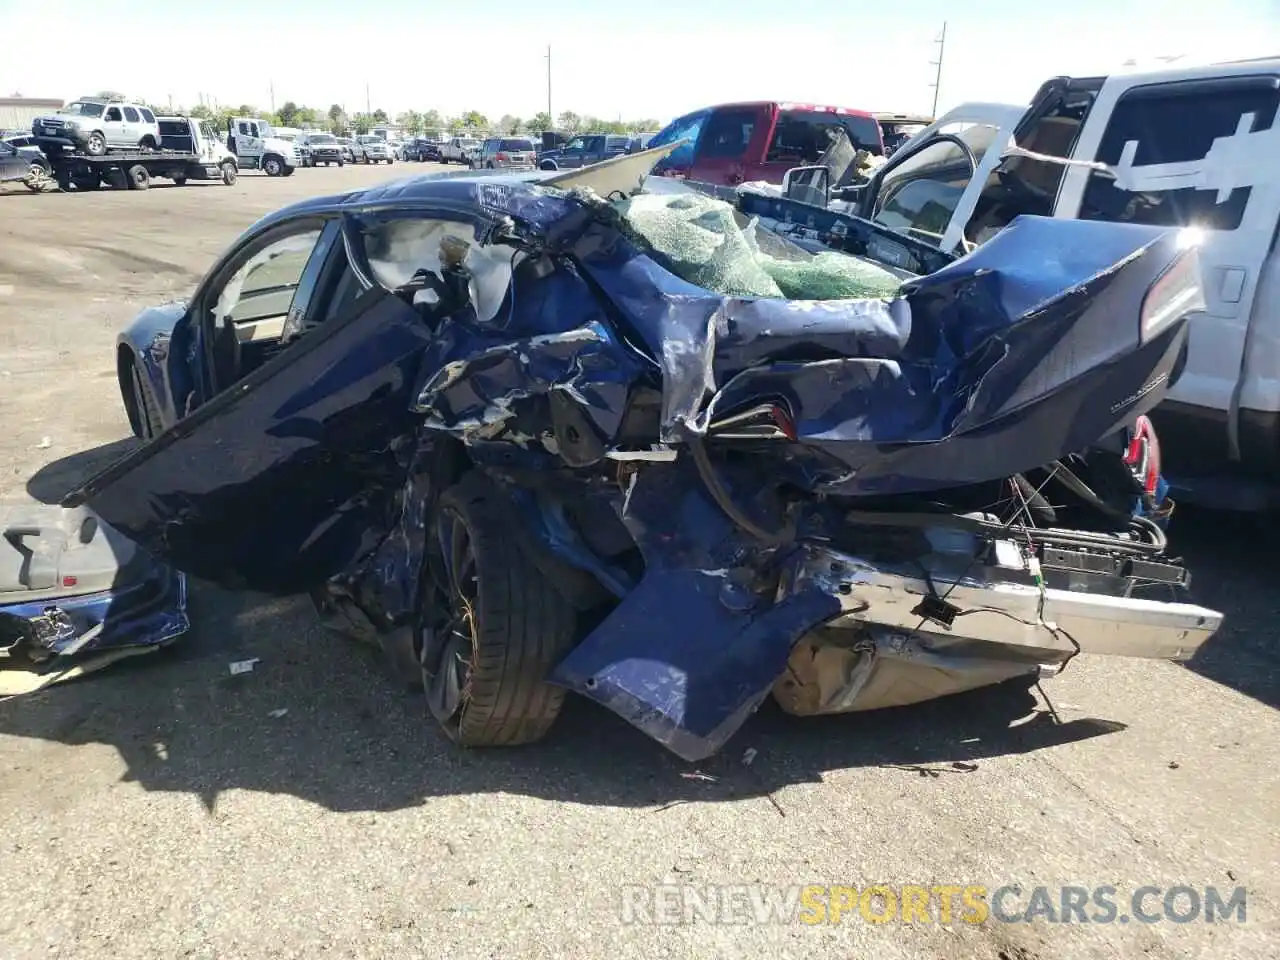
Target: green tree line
(336,120)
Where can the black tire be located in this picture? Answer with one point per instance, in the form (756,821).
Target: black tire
(180,180)
(341,163)
(147,143)
(87,182)
(138,177)
(95,144)
(144,403)
(272,166)
(116,179)
(494,648)
(548,165)
(288,171)
(229,173)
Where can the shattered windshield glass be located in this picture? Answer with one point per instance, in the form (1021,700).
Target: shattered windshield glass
(706,242)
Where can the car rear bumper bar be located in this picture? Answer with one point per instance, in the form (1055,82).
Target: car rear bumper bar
(984,604)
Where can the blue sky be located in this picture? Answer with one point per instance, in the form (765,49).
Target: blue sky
(653,59)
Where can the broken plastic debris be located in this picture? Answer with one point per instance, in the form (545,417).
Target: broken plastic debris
(699,775)
(45,443)
(707,242)
(278,713)
(243,666)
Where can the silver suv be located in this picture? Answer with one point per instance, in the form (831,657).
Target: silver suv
(373,149)
(96,126)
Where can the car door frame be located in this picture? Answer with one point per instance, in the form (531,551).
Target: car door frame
(132,129)
(114,132)
(160,502)
(1247,248)
(200,308)
(1003,116)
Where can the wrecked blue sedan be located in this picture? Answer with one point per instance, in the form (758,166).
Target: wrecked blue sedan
(578,433)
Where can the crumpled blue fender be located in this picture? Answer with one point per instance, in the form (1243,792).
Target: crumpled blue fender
(691,652)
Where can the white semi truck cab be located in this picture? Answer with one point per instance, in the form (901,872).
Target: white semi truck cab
(256,147)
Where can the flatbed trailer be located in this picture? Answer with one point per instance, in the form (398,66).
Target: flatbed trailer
(135,170)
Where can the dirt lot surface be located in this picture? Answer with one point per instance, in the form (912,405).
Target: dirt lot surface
(158,809)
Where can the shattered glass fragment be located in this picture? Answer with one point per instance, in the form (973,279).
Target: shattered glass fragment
(706,242)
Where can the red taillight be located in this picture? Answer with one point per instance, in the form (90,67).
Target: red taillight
(1143,455)
(502,158)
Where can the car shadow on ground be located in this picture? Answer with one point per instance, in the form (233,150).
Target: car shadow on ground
(320,718)
(1233,558)
(55,480)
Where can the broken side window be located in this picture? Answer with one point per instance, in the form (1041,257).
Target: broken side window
(398,249)
(919,195)
(801,137)
(1024,185)
(1173,125)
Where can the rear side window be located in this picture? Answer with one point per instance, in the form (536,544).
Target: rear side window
(1172,125)
(131,114)
(728,132)
(147,115)
(802,137)
(685,128)
(865,133)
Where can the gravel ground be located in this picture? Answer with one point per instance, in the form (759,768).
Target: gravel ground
(159,809)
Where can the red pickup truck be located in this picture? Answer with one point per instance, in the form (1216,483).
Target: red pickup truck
(738,142)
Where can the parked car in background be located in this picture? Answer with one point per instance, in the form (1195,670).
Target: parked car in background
(371,149)
(505,153)
(739,142)
(897,128)
(584,149)
(323,148)
(26,145)
(459,150)
(421,149)
(298,142)
(348,149)
(94,126)
(22,167)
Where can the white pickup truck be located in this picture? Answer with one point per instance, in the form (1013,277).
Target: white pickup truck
(459,149)
(1195,146)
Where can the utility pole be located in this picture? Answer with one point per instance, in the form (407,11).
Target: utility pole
(550,116)
(367,108)
(271,85)
(937,77)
